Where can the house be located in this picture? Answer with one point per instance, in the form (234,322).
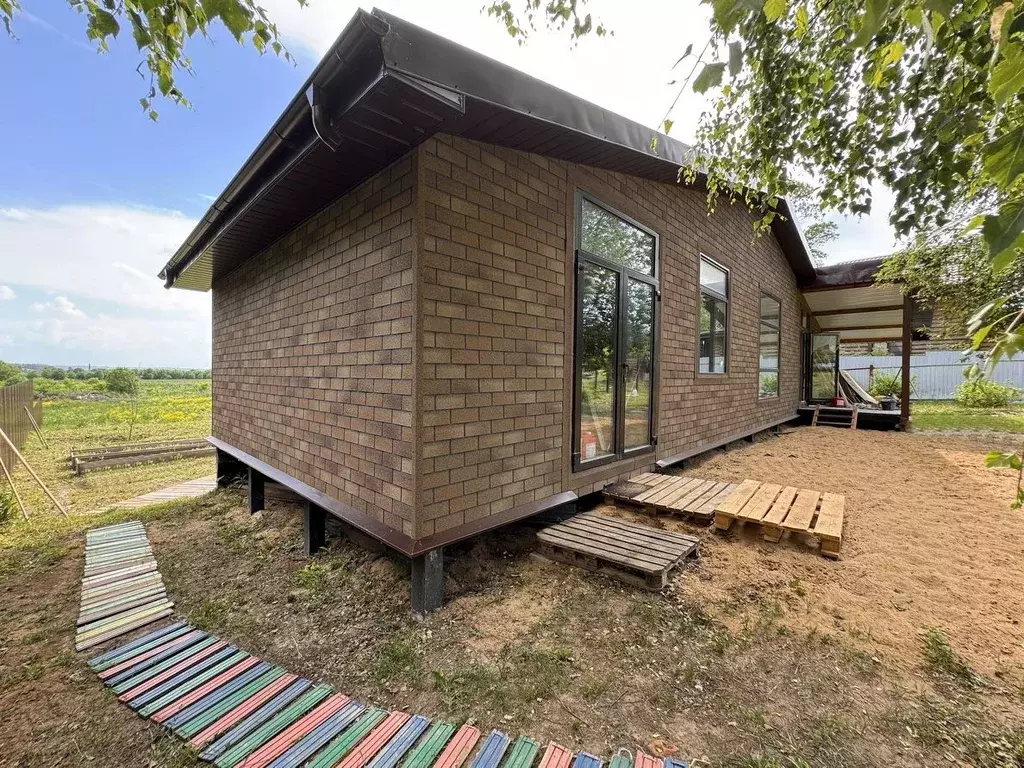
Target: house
(448,296)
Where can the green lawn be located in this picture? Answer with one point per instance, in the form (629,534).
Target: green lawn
(945,414)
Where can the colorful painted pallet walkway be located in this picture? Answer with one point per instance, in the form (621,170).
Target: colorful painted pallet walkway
(240,711)
(121,587)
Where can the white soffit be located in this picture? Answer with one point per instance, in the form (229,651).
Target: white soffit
(861,297)
(892,317)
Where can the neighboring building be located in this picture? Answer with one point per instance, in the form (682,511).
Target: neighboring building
(404,267)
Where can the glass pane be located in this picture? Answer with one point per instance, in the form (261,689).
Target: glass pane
(824,363)
(639,360)
(713,278)
(605,234)
(769,351)
(719,336)
(597,387)
(770,311)
(706,306)
(768,386)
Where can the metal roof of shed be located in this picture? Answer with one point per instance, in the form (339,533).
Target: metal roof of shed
(385,86)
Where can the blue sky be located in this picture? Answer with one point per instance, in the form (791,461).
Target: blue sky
(94,197)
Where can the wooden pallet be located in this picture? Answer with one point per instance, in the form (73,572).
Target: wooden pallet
(637,554)
(781,509)
(671,494)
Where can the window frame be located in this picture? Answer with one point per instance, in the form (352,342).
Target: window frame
(778,348)
(727,298)
(624,275)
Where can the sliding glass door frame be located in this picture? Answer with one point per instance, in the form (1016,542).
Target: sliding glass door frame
(621,333)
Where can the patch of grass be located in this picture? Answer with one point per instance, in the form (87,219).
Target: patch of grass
(942,414)
(399,661)
(941,660)
(211,614)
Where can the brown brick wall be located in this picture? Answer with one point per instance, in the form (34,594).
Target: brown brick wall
(313,350)
(496,279)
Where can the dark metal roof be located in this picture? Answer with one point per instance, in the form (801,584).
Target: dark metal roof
(384,87)
(846,274)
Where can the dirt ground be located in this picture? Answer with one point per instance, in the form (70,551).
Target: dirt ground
(758,655)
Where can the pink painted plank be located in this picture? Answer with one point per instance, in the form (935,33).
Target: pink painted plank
(167,674)
(208,687)
(458,748)
(643,760)
(280,743)
(373,743)
(153,652)
(556,756)
(242,710)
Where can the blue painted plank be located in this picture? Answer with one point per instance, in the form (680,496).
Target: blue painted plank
(400,743)
(492,751)
(319,736)
(255,720)
(587,760)
(168,685)
(196,708)
(675,762)
(124,652)
(133,670)
(138,679)
(191,683)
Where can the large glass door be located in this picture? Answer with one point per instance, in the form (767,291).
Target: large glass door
(822,367)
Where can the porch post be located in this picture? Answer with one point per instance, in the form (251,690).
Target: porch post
(427,581)
(314,529)
(908,315)
(255,491)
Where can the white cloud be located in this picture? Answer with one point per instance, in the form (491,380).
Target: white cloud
(60,306)
(6,293)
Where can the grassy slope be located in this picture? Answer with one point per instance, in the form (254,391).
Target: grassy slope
(945,414)
(167,409)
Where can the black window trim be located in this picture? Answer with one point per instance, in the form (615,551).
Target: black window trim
(625,273)
(727,298)
(778,351)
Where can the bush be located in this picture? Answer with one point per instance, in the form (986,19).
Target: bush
(10,374)
(985,393)
(122,381)
(889,385)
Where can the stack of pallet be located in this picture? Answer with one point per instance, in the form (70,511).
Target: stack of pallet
(84,460)
(121,587)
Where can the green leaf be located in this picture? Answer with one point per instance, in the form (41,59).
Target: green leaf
(1003,158)
(1003,232)
(709,77)
(667,125)
(735,58)
(892,53)
(775,9)
(1007,78)
(101,24)
(998,459)
(803,22)
(687,52)
(727,14)
(872,21)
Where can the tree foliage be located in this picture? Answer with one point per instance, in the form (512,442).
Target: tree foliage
(818,230)
(10,374)
(122,381)
(161,30)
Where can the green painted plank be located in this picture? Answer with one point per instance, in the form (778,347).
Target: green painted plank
(424,755)
(138,647)
(345,742)
(622,759)
(523,753)
(192,684)
(275,725)
(198,723)
(153,671)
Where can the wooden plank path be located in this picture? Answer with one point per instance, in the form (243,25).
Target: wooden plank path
(784,509)
(190,489)
(240,711)
(631,552)
(671,494)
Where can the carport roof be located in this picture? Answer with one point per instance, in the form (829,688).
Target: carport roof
(385,86)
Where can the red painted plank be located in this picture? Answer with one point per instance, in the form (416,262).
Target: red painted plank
(208,687)
(373,743)
(280,743)
(242,710)
(556,756)
(170,672)
(458,748)
(643,760)
(152,652)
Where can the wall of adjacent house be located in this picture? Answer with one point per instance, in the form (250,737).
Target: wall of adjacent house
(313,350)
(496,283)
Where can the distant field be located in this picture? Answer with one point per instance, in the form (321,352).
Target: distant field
(167,409)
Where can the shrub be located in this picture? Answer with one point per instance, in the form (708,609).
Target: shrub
(985,393)
(122,381)
(889,385)
(10,374)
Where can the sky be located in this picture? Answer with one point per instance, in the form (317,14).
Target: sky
(94,197)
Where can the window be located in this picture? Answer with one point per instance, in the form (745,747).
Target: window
(768,349)
(714,317)
(616,296)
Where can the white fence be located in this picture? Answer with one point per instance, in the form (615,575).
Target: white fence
(936,373)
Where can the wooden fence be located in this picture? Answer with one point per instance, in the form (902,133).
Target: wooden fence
(13,419)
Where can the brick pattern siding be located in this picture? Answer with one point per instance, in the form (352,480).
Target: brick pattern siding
(496,274)
(313,350)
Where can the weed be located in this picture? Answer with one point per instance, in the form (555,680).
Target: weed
(798,588)
(211,613)
(398,659)
(941,660)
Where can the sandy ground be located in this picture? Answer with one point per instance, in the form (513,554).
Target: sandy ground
(929,541)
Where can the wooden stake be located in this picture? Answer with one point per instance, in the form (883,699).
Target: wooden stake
(32,472)
(24,512)
(32,420)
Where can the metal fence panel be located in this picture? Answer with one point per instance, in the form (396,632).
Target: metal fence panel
(937,372)
(13,419)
